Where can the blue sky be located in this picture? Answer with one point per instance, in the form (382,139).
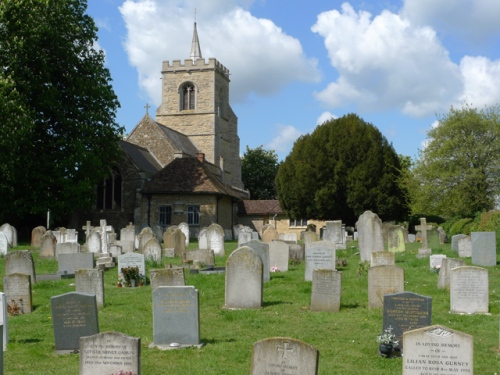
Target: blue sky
(296,63)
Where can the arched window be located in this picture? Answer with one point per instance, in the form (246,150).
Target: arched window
(188,96)
(109,192)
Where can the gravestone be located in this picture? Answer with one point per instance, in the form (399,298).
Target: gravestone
(333,231)
(278,255)
(17,289)
(442,235)
(406,311)
(94,243)
(104,229)
(215,239)
(4,244)
(383,258)
(110,353)
(131,260)
(411,238)
(284,356)
(454,241)
(269,234)
(309,238)
(202,239)
(320,255)
(185,229)
(290,237)
(36,236)
(176,320)
(469,290)
(437,350)
(68,264)
(91,281)
(88,229)
(395,239)
(152,250)
(262,249)
(425,250)
(435,261)
(370,239)
(10,233)
(244,237)
(127,238)
(296,252)
(67,248)
(48,245)
(483,249)
(3,320)
(20,261)
(144,237)
(167,277)
(326,290)
(447,264)
(244,281)
(71,236)
(383,280)
(205,257)
(74,315)
(158,232)
(464,247)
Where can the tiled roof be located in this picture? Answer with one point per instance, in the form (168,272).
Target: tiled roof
(180,141)
(187,176)
(259,207)
(141,157)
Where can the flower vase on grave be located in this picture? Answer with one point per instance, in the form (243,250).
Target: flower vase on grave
(132,283)
(385,350)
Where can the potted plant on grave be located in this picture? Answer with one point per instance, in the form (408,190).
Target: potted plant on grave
(387,343)
(131,275)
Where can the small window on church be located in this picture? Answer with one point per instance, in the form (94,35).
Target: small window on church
(193,215)
(188,96)
(165,217)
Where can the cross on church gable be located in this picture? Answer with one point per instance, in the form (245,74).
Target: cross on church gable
(285,350)
(147,106)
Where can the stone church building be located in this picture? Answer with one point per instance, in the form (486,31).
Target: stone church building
(183,166)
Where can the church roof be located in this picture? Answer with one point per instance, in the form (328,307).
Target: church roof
(187,176)
(259,207)
(178,140)
(141,157)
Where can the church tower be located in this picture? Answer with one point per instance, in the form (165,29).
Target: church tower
(195,102)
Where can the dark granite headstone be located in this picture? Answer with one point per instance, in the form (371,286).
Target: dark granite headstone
(406,311)
(74,315)
(110,353)
(69,263)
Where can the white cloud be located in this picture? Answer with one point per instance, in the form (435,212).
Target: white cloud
(325,116)
(481,77)
(260,56)
(474,20)
(287,134)
(385,62)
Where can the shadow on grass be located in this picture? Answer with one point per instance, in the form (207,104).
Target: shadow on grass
(273,303)
(27,341)
(349,305)
(213,341)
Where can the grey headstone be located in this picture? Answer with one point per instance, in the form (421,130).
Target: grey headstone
(411,238)
(382,258)
(469,292)
(296,252)
(74,315)
(262,249)
(320,255)
(167,277)
(48,245)
(454,241)
(205,257)
(110,353)
(17,289)
(3,320)
(131,260)
(202,239)
(284,356)
(435,261)
(406,311)
(309,238)
(464,247)
(278,255)
(91,281)
(176,316)
(290,237)
(244,281)
(326,290)
(152,250)
(244,237)
(20,261)
(395,239)
(383,280)
(36,236)
(69,263)
(4,244)
(67,248)
(370,238)
(269,234)
(144,237)
(94,242)
(447,264)
(215,239)
(484,249)
(128,233)
(8,230)
(442,235)
(455,354)
(185,229)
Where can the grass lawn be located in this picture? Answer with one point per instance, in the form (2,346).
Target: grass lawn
(345,340)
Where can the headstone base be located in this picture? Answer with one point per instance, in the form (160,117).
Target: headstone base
(66,352)
(175,346)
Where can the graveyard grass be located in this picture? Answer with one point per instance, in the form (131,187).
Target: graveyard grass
(346,340)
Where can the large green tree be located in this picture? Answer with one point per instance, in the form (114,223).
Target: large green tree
(346,166)
(457,174)
(258,171)
(58,135)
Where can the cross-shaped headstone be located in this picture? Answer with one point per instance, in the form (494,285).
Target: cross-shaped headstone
(423,228)
(87,228)
(104,230)
(286,350)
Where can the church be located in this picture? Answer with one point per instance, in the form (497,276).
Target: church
(183,166)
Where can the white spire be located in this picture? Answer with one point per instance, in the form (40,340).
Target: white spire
(195,44)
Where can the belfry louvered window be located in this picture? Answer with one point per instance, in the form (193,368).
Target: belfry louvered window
(188,96)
